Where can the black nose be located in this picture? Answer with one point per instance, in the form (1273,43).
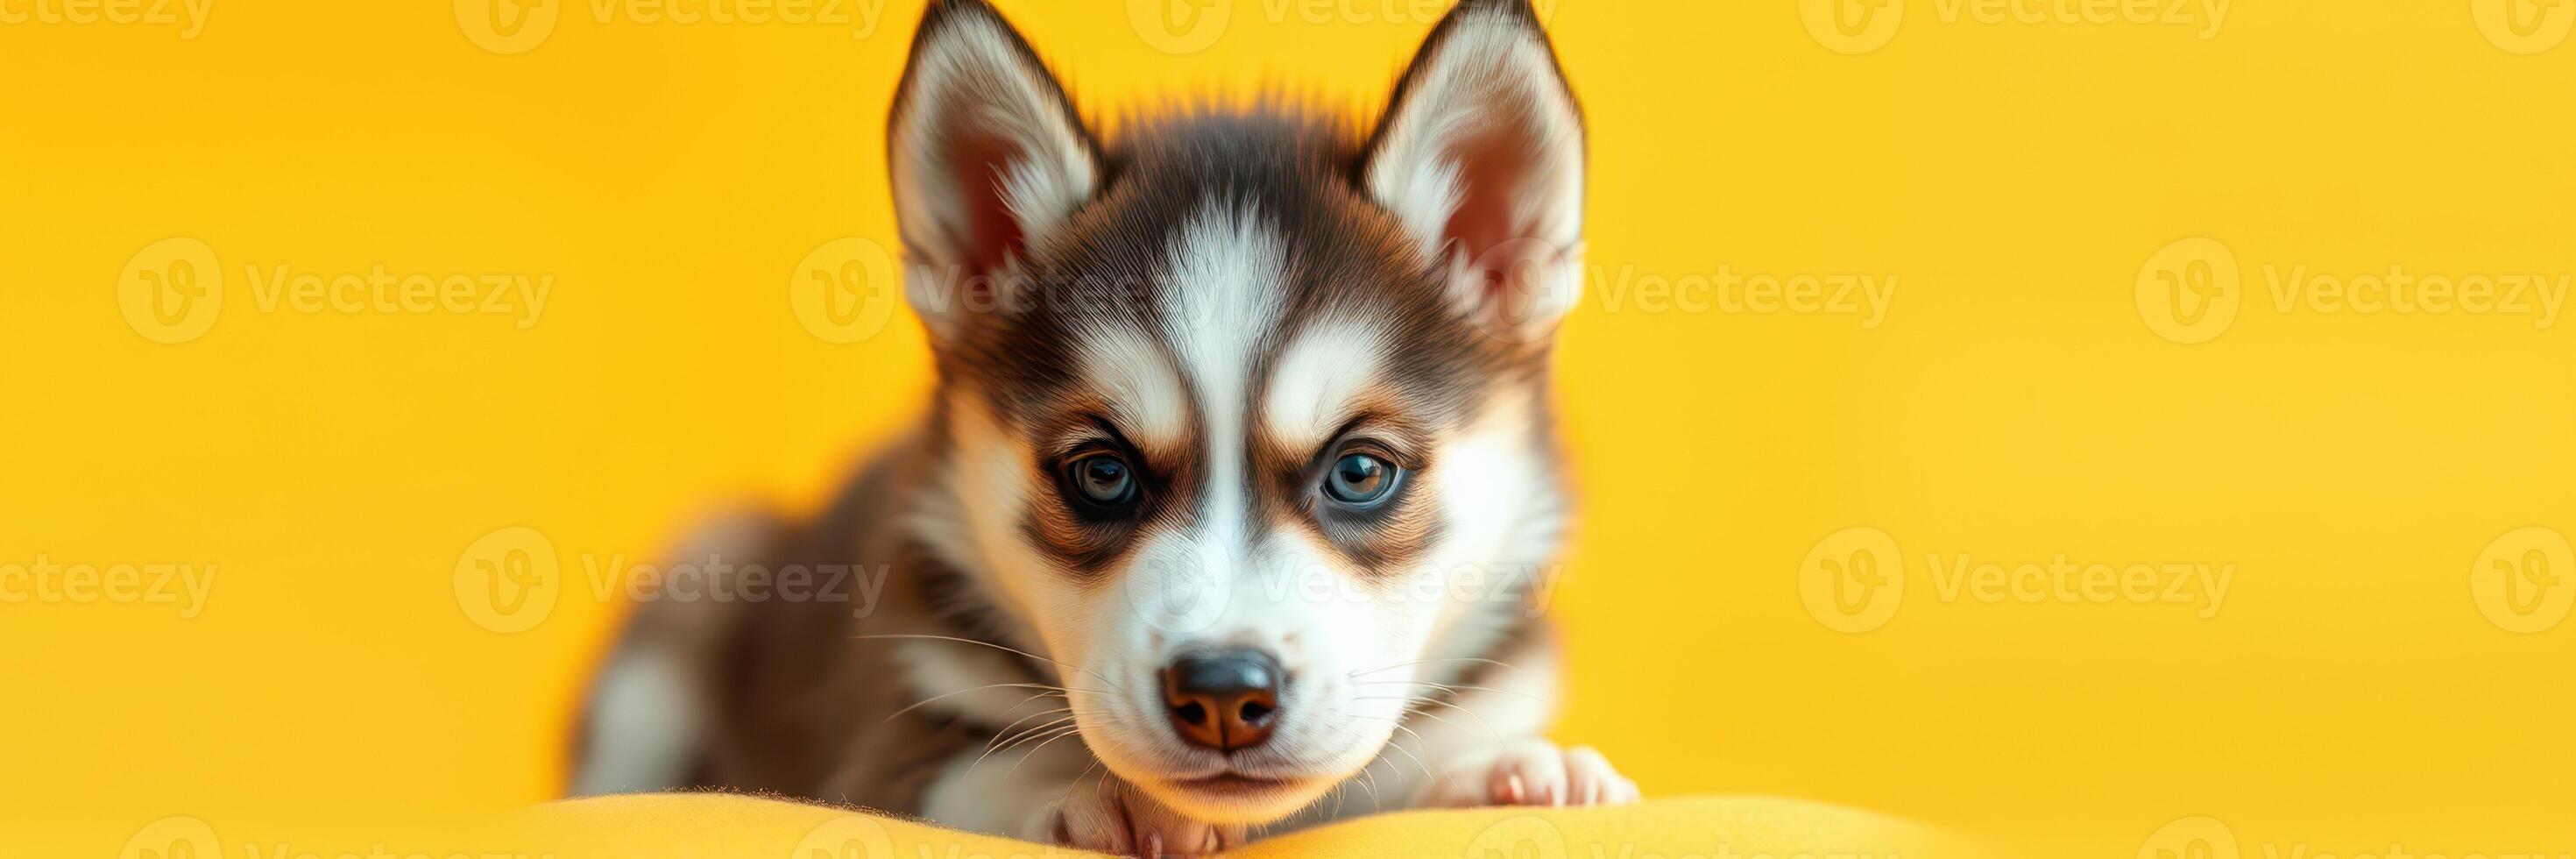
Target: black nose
(1224,699)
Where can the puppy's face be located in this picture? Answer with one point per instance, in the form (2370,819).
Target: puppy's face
(1234,409)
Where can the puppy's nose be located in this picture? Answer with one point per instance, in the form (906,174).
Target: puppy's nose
(1224,699)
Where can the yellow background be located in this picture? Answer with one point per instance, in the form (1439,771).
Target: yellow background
(2013,404)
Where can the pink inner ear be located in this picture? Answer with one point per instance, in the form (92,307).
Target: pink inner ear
(992,234)
(1492,167)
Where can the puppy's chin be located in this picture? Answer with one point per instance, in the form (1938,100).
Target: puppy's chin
(1235,799)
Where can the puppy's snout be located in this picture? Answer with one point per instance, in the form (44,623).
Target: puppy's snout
(1224,699)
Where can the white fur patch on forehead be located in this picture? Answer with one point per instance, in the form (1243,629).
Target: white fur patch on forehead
(1223,293)
(1316,382)
(1144,393)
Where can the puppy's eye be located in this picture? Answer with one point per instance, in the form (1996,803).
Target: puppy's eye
(1361,480)
(1101,480)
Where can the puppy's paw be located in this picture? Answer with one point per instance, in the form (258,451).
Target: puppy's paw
(1531,772)
(1107,815)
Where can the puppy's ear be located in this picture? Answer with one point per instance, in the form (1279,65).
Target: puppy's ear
(1480,156)
(988,157)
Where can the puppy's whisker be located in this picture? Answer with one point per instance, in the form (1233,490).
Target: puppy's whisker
(1452,688)
(1113,684)
(1068,699)
(1371,784)
(1004,743)
(1003,739)
(996,745)
(1427,777)
(1494,662)
(1086,771)
(1498,735)
(918,704)
(1024,719)
(1472,714)
(1006,775)
(1415,704)
(1047,733)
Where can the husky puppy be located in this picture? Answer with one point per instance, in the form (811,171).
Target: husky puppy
(1239,474)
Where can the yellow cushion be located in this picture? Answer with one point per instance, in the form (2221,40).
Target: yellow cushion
(717,826)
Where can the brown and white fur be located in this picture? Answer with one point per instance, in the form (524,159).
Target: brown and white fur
(1227,301)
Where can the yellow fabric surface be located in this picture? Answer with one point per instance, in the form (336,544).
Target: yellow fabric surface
(713,826)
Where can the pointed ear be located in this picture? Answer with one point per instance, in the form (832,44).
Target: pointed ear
(988,157)
(1480,156)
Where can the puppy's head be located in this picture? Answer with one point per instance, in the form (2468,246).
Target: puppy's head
(1231,405)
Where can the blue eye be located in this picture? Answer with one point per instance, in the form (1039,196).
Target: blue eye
(1102,480)
(1361,480)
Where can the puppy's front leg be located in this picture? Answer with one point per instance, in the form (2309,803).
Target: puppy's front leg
(1059,794)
